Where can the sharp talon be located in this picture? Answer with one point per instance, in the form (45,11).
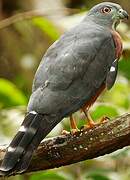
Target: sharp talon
(92,125)
(86,127)
(90,121)
(104,119)
(73,131)
(64,132)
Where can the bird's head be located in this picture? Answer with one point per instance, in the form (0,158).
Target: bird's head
(108,14)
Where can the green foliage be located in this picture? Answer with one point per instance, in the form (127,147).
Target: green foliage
(20,40)
(119,95)
(107,110)
(47,27)
(49,175)
(10,95)
(124,67)
(96,176)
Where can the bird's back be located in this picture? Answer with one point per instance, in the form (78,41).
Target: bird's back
(64,72)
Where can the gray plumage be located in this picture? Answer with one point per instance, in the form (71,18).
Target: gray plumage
(70,74)
(73,69)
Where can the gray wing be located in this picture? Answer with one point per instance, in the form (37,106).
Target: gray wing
(112,74)
(69,57)
(72,70)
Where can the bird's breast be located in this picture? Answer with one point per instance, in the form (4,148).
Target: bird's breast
(118,44)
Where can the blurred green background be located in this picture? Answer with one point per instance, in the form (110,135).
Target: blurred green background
(27,29)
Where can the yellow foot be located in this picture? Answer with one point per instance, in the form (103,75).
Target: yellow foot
(64,132)
(88,126)
(73,131)
(92,124)
(104,120)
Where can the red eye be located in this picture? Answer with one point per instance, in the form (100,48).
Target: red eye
(106,10)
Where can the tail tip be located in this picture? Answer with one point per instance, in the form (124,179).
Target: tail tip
(3,171)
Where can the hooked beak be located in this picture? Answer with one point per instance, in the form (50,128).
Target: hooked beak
(123,14)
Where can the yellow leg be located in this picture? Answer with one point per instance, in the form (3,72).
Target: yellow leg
(104,119)
(90,122)
(73,123)
(73,126)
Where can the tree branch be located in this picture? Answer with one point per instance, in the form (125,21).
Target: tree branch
(68,149)
(31,14)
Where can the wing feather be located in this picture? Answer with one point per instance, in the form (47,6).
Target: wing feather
(72,70)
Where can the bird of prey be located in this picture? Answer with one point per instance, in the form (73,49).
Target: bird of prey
(72,74)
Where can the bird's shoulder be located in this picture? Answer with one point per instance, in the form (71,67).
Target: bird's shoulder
(69,56)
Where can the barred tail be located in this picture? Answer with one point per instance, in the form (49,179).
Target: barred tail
(34,128)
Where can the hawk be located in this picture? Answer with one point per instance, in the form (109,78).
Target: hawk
(72,74)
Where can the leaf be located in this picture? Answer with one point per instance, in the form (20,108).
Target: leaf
(97,177)
(104,110)
(98,174)
(10,95)
(49,175)
(124,67)
(119,95)
(47,27)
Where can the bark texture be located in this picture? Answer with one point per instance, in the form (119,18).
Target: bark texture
(91,143)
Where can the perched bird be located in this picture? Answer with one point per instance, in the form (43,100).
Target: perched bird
(72,74)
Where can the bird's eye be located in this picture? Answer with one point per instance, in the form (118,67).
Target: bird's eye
(106,10)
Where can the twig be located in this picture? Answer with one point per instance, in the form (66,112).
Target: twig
(31,14)
(68,149)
